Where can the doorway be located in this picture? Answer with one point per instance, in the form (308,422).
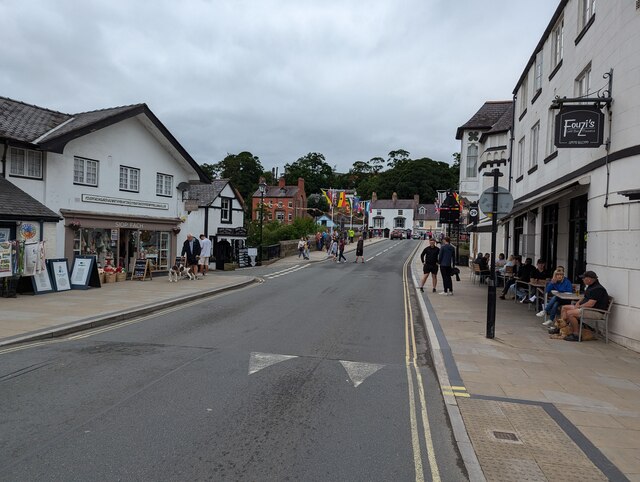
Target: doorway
(577,237)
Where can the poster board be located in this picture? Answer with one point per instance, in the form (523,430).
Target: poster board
(59,270)
(42,281)
(141,270)
(84,273)
(243,258)
(6,259)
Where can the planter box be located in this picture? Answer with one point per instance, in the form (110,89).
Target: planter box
(109,277)
(121,276)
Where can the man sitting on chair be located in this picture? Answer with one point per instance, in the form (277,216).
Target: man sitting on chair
(595,296)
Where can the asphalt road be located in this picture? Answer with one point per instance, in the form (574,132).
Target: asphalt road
(318,373)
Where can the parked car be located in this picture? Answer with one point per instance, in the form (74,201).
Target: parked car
(417,236)
(397,234)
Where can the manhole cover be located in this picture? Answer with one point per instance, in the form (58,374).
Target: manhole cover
(506,436)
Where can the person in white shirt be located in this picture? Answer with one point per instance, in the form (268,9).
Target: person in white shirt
(205,253)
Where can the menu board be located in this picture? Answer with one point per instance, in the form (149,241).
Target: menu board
(59,274)
(243,258)
(141,270)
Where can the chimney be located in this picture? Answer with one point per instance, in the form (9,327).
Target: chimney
(301,184)
(281,182)
(374,197)
(416,199)
(394,197)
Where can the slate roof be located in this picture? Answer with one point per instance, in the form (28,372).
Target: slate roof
(207,193)
(15,204)
(49,130)
(276,191)
(489,114)
(429,215)
(391,204)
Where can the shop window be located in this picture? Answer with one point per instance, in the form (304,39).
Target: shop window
(25,163)
(96,242)
(85,171)
(164,185)
(129,179)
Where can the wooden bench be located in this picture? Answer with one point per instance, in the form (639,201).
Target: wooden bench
(605,319)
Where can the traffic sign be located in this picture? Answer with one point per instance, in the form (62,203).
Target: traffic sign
(505,202)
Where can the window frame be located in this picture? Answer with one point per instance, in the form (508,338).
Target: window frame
(85,161)
(587,9)
(129,170)
(537,73)
(169,190)
(522,144)
(557,49)
(551,133)
(225,218)
(27,163)
(472,169)
(524,98)
(534,145)
(585,75)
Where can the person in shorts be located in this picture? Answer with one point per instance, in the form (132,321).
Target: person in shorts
(429,258)
(205,253)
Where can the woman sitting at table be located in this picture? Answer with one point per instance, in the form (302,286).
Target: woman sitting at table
(560,284)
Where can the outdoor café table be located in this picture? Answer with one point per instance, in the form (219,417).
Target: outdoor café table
(567,296)
(536,287)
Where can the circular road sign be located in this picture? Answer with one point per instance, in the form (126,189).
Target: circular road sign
(473,212)
(505,202)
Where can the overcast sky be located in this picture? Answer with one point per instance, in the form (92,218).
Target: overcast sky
(351,79)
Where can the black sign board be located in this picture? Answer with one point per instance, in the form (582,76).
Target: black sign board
(579,126)
(84,273)
(59,274)
(243,258)
(239,231)
(141,270)
(449,210)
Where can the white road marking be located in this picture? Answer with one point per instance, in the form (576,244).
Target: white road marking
(258,361)
(358,371)
(284,272)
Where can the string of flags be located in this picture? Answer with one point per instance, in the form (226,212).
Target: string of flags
(341,199)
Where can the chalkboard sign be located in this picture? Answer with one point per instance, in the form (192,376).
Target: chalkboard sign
(243,258)
(142,270)
(59,274)
(85,273)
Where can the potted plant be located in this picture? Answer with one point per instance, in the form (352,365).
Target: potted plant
(109,274)
(175,229)
(75,225)
(121,274)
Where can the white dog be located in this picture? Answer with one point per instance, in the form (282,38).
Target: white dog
(180,271)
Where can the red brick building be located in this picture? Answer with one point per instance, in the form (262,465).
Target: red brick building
(282,203)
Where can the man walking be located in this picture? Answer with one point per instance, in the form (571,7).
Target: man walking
(360,249)
(429,258)
(205,254)
(446,260)
(190,252)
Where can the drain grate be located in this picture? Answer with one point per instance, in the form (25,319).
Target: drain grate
(506,436)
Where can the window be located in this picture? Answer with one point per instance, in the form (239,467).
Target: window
(537,82)
(290,204)
(225,210)
(557,48)
(280,204)
(399,212)
(422,210)
(85,171)
(164,185)
(583,82)
(25,163)
(518,231)
(520,166)
(587,10)
(535,137)
(472,161)
(290,216)
(549,247)
(379,212)
(523,96)
(129,179)
(280,216)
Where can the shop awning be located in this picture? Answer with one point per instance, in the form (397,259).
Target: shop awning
(483,226)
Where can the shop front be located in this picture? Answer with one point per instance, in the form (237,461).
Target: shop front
(118,240)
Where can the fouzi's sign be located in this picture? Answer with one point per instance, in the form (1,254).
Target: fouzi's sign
(579,126)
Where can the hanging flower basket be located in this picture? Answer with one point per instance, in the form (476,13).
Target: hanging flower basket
(175,230)
(75,225)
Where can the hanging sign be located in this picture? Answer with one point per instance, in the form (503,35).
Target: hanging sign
(579,126)
(85,273)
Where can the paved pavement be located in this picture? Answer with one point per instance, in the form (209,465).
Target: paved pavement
(522,405)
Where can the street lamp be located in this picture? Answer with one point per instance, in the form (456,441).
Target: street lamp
(263,188)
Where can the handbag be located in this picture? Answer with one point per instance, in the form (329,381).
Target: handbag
(456,272)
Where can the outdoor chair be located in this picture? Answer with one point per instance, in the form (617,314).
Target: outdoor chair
(479,274)
(596,322)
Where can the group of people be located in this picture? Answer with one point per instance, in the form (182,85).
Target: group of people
(196,253)
(443,258)
(335,247)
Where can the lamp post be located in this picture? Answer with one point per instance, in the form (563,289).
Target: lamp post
(262,187)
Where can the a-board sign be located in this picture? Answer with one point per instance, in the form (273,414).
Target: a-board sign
(141,270)
(84,273)
(59,270)
(42,281)
(243,258)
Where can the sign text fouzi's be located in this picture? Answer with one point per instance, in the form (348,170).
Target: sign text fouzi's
(579,126)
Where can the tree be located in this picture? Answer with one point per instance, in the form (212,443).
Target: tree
(313,168)
(396,157)
(243,170)
(377,164)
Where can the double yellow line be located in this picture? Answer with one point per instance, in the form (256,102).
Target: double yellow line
(413,372)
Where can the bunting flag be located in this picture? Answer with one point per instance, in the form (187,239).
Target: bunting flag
(324,193)
(341,200)
(437,205)
(356,204)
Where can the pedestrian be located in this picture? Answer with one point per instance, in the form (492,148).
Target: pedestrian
(333,249)
(429,258)
(446,260)
(190,252)
(341,251)
(306,247)
(301,246)
(205,254)
(360,249)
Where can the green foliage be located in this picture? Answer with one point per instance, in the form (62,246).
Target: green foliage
(273,232)
(313,169)
(243,170)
